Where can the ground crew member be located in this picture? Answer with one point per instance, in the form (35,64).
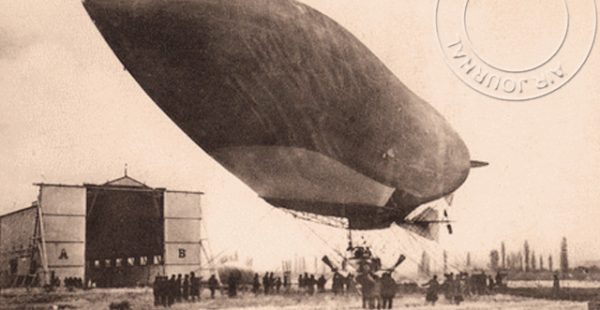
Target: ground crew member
(232,285)
(556,286)
(172,289)
(186,288)
(178,284)
(311,284)
(266,284)
(278,284)
(255,284)
(321,284)
(194,286)
(212,285)
(388,290)
(433,288)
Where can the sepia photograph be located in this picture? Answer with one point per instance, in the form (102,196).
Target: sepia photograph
(299,154)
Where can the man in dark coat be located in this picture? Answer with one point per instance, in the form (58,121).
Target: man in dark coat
(433,288)
(157,290)
(321,284)
(172,289)
(388,290)
(185,288)
(286,282)
(178,283)
(311,284)
(337,283)
(156,286)
(367,284)
(278,284)
(255,284)
(212,285)
(232,283)
(266,283)
(194,286)
(300,282)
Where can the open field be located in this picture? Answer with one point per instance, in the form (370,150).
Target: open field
(141,298)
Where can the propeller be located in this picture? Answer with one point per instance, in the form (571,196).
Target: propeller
(401,259)
(328,262)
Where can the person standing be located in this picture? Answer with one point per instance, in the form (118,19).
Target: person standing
(278,284)
(376,293)
(433,288)
(266,284)
(388,290)
(232,285)
(555,286)
(212,285)
(349,283)
(186,288)
(491,284)
(271,282)
(337,283)
(156,290)
(255,284)
(311,284)
(300,282)
(286,283)
(321,284)
(194,287)
(172,289)
(178,284)
(499,283)
(367,284)
(457,291)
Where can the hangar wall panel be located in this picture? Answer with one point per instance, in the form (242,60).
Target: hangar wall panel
(180,230)
(65,254)
(64,228)
(63,214)
(58,199)
(183,253)
(16,230)
(182,204)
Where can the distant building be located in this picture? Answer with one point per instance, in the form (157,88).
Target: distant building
(121,233)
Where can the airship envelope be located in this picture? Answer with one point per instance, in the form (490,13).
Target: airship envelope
(290,102)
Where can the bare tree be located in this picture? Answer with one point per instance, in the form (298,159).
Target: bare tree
(445,261)
(424,266)
(468,263)
(521,264)
(541,262)
(503,254)
(564,256)
(533,261)
(526,254)
(494,260)
(550,266)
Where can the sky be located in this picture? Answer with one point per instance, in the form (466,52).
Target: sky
(70,114)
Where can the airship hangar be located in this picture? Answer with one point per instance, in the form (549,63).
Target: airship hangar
(120,233)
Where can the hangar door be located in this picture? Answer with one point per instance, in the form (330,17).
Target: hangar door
(124,244)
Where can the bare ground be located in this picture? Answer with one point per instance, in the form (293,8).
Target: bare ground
(141,298)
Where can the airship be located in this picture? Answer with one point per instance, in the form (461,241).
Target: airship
(291,103)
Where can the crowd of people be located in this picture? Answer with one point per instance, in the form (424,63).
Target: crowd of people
(456,288)
(186,288)
(377,292)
